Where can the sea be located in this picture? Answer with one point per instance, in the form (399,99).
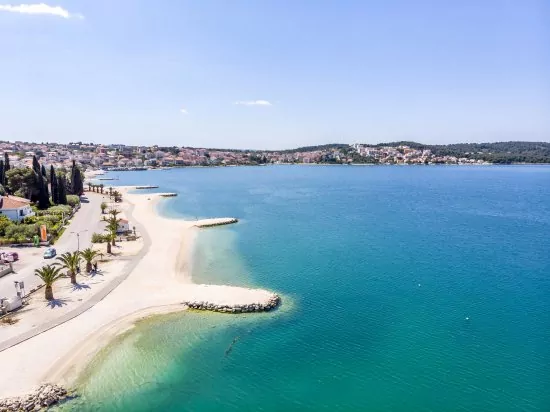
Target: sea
(404,288)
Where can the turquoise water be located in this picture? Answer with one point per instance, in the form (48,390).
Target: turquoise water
(406,289)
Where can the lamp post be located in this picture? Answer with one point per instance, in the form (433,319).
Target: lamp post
(78,239)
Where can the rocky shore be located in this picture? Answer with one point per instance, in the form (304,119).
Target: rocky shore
(45,396)
(272,303)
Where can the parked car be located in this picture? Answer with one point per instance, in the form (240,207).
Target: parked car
(50,253)
(9,256)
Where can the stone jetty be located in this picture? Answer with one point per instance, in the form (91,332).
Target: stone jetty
(45,396)
(229,299)
(167,194)
(215,222)
(272,303)
(146,187)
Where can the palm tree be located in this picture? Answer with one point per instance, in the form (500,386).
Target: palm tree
(89,187)
(114,212)
(109,236)
(112,228)
(71,262)
(49,274)
(101,186)
(103,207)
(88,255)
(110,191)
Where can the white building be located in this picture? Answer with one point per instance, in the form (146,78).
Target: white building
(16,208)
(123,226)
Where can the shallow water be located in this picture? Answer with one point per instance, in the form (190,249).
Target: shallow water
(406,289)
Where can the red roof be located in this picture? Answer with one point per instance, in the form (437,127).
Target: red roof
(13,202)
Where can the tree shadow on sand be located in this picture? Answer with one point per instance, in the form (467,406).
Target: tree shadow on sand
(57,303)
(95,273)
(80,286)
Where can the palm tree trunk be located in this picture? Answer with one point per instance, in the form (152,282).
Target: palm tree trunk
(108,247)
(49,293)
(88,267)
(73,278)
(114,244)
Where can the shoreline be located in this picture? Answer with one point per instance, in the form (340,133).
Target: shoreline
(159,282)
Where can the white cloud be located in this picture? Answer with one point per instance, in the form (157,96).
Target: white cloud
(253,103)
(184,111)
(40,8)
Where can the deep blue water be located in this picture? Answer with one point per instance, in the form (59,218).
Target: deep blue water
(405,289)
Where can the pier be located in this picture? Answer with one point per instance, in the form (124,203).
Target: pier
(146,187)
(167,194)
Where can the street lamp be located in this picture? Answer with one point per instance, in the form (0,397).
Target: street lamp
(78,239)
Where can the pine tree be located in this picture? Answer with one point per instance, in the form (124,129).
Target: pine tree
(53,185)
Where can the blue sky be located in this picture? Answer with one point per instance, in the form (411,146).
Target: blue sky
(304,71)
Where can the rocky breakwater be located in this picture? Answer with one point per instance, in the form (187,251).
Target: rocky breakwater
(45,396)
(237,308)
(215,222)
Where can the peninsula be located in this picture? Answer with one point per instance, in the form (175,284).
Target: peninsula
(154,279)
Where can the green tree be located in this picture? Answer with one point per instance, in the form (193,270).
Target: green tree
(49,275)
(6,162)
(77,185)
(53,186)
(45,181)
(2,173)
(114,212)
(36,166)
(4,223)
(103,207)
(43,197)
(22,181)
(61,189)
(111,229)
(89,255)
(71,262)
(109,237)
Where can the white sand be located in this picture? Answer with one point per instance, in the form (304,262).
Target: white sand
(159,283)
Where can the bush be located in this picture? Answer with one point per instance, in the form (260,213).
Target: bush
(73,200)
(98,238)
(55,210)
(21,232)
(49,219)
(30,220)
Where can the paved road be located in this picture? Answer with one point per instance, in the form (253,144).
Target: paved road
(87,218)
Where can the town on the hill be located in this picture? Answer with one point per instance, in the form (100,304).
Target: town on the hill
(125,157)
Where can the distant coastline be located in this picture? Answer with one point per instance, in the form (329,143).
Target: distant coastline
(130,169)
(120,157)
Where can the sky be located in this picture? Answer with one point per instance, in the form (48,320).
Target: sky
(274,74)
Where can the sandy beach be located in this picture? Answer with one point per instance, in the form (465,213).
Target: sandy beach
(159,281)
